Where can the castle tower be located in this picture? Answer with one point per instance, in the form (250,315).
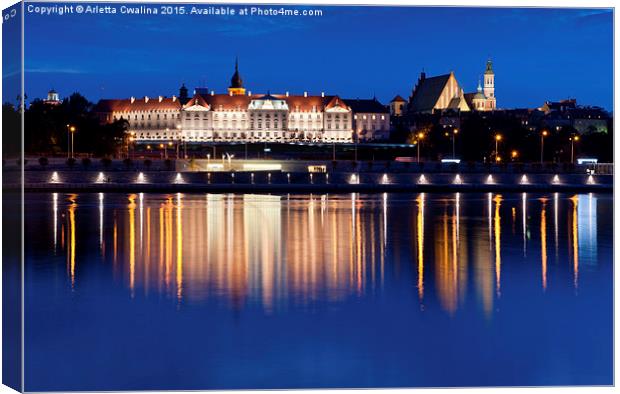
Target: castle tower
(183,94)
(489,85)
(236,83)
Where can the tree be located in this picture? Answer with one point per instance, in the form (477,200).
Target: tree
(46,128)
(11,131)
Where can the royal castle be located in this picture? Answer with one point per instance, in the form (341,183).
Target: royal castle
(240,115)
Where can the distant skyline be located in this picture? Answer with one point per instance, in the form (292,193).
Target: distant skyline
(538,53)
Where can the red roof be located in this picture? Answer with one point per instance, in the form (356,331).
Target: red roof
(219,102)
(197,100)
(138,104)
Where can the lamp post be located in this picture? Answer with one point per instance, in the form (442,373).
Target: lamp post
(542,144)
(356,138)
(454,133)
(498,138)
(70,131)
(129,144)
(418,142)
(573,139)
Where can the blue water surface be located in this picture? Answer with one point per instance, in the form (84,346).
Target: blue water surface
(199,291)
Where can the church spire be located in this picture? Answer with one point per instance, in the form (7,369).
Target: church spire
(236,83)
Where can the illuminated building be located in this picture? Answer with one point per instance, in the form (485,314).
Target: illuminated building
(241,115)
(371,119)
(52,98)
(443,92)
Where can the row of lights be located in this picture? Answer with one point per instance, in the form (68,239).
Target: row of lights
(354,179)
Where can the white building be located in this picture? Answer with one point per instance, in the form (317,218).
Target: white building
(371,119)
(235,116)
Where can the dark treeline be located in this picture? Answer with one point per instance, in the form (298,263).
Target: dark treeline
(475,140)
(47,129)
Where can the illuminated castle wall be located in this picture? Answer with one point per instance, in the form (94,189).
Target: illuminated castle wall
(241,115)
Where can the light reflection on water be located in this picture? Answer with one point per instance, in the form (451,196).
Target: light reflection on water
(265,249)
(331,286)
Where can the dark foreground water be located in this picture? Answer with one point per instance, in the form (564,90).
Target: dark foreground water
(200,291)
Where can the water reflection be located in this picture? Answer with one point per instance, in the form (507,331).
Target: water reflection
(278,251)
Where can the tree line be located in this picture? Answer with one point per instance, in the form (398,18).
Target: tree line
(476,135)
(48,128)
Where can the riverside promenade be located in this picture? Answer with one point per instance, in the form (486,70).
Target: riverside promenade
(308,177)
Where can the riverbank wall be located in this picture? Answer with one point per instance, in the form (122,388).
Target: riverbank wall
(284,182)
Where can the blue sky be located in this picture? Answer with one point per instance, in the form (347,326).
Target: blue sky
(538,54)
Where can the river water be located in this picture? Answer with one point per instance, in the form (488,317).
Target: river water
(204,291)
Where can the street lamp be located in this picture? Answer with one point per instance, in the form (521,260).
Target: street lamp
(573,139)
(454,133)
(498,138)
(514,154)
(418,142)
(542,144)
(163,146)
(70,131)
(129,144)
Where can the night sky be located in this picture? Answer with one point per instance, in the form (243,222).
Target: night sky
(538,54)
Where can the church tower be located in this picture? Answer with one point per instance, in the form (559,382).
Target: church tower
(489,85)
(236,83)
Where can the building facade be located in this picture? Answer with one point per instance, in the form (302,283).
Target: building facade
(241,115)
(52,98)
(371,119)
(443,92)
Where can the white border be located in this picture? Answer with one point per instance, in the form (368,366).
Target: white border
(496,3)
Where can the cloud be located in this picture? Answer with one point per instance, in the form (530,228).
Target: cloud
(44,70)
